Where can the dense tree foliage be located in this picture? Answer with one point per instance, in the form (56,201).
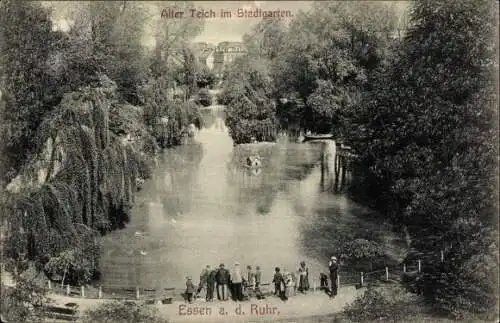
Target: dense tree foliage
(250,113)
(81,117)
(167,118)
(361,250)
(24,302)
(420,108)
(205,77)
(330,54)
(429,142)
(87,187)
(28,88)
(319,63)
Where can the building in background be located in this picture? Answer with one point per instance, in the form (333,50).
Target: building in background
(218,57)
(225,54)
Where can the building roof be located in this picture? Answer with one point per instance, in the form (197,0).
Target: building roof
(205,54)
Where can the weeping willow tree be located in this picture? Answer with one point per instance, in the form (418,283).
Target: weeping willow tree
(247,92)
(168,118)
(87,190)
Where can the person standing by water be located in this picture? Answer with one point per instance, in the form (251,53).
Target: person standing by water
(211,285)
(189,289)
(334,268)
(236,282)
(288,284)
(203,280)
(278,280)
(258,277)
(222,280)
(303,277)
(250,277)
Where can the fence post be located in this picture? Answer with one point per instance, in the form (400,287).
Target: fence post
(83,291)
(314,284)
(442,256)
(67,290)
(361,280)
(387,273)
(338,281)
(419,265)
(50,286)
(404,268)
(99,293)
(137,294)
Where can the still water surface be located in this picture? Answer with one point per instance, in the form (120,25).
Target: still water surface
(202,206)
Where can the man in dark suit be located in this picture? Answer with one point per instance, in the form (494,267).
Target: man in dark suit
(334,268)
(222,279)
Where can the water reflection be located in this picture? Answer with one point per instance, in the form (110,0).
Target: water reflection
(202,206)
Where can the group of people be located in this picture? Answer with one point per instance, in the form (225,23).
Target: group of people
(285,284)
(240,286)
(254,160)
(226,283)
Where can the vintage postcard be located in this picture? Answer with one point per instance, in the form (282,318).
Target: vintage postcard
(249,161)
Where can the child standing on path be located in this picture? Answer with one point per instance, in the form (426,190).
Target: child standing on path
(278,281)
(189,289)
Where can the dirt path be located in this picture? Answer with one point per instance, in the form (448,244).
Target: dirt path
(270,309)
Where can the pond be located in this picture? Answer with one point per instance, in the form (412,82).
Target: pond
(203,206)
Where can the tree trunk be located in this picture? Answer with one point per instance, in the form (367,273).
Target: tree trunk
(52,157)
(64,276)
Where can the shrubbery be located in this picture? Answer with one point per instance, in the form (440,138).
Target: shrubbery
(361,252)
(23,302)
(117,312)
(204,98)
(389,305)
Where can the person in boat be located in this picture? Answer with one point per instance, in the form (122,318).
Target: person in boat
(254,160)
(250,160)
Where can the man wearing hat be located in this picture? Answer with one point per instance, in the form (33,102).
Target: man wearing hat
(333,266)
(222,280)
(236,282)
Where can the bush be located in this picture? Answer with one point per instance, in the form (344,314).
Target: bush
(24,302)
(117,312)
(204,98)
(375,304)
(361,251)
(452,287)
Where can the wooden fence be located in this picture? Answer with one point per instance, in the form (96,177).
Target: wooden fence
(167,295)
(150,295)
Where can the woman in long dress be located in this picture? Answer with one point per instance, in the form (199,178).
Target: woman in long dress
(304,277)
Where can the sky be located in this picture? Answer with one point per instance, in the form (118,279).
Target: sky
(233,29)
(216,29)
(220,29)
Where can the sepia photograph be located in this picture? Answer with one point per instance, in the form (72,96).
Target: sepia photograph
(249,161)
